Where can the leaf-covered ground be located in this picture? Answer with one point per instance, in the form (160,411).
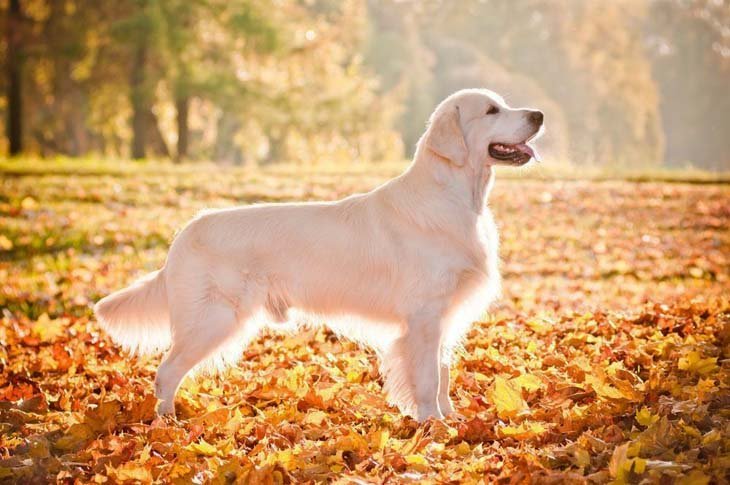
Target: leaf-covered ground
(607,359)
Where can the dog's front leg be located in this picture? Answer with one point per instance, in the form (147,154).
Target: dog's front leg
(423,342)
(445,404)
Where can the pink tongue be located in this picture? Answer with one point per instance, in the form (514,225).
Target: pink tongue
(525,148)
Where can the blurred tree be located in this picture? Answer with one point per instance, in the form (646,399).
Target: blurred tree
(239,81)
(138,28)
(587,57)
(14,83)
(397,50)
(198,39)
(689,43)
(140,95)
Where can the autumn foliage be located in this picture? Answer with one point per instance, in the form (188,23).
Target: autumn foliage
(607,359)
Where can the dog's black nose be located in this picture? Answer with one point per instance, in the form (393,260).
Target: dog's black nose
(536,117)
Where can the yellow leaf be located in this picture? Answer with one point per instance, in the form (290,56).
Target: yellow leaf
(130,471)
(618,459)
(540,326)
(711,437)
(528,382)
(696,272)
(523,431)
(462,448)
(354,376)
(582,457)
(379,439)
(639,465)
(29,203)
(692,431)
(435,447)
(695,477)
(634,449)
(202,447)
(624,461)
(5,243)
(694,362)
(295,381)
(48,329)
(507,398)
(602,388)
(74,437)
(417,462)
(285,458)
(351,442)
(315,417)
(645,418)
(145,455)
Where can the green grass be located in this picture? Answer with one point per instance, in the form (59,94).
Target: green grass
(535,171)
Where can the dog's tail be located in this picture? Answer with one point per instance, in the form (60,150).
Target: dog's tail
(138,317)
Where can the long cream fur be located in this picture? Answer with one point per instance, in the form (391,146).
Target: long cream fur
(404,268)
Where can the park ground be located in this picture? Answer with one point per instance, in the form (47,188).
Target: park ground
(607,359)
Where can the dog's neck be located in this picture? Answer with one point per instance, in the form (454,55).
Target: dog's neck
(482,183)
(468,185)
(437,195)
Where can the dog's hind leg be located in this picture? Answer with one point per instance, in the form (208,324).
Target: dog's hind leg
(193,341)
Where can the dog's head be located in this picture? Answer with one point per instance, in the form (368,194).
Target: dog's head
(477,125)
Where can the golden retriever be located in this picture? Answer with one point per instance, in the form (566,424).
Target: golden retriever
(404,268)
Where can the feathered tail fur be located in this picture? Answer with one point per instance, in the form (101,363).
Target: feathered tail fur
(137,317)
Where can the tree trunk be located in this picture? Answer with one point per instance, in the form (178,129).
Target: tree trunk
(156,144)
(14,95)
(182,105)
(139,98)
(225,150)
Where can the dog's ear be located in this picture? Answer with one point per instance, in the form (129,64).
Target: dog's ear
(444,137)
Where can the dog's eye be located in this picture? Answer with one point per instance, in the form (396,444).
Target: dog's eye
(492,110)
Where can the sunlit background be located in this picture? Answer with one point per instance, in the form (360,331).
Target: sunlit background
(628,83)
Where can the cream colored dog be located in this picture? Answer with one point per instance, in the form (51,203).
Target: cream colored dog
(404,269)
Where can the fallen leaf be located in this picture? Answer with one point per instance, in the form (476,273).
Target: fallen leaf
(507,398)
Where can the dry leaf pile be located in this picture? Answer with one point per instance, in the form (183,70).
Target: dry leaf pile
(607,359)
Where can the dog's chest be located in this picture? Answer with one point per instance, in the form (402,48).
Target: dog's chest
(480,246)
(470,257)
(486,252)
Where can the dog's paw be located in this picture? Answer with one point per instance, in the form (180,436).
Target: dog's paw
(166,408)
(446,407)
(426,413)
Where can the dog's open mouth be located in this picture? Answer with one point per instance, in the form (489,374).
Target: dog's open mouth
(516,153)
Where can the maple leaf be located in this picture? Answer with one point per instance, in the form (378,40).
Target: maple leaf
(624,462)
(523,431)
(645,418)
(417,462)
(130,472)
(602,387)
(693,362)
(695,477)
(202,447)
(507,398)
(528,382)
